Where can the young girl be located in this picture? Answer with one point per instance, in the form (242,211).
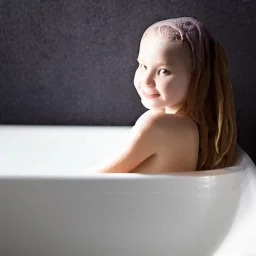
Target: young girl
(190,125)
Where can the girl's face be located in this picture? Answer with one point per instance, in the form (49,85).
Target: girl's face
(164,73)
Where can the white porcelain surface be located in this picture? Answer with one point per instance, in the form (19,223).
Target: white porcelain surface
(50,206)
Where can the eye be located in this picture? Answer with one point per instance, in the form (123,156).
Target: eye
(164,71)
(143,67)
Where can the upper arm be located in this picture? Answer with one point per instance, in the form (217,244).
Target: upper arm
(140,146)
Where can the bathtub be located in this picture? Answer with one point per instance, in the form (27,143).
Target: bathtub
(51,206)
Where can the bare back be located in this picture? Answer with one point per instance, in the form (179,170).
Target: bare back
(176,145)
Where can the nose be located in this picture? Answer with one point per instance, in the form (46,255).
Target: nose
(148,80)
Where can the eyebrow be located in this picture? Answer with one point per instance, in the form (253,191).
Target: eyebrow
(159,63)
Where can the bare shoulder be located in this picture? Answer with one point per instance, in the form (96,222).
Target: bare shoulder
(161,125)
(173,138)
(148,117)
(146,122)
(147,127)
(176,124)
(162,122)
(181,129)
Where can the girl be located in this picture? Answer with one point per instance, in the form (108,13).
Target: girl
(190,123)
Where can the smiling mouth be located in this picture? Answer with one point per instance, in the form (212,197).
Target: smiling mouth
(150,96)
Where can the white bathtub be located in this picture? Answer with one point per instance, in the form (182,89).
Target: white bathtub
(50,206)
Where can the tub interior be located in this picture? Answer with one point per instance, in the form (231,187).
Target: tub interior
(65,150)
(57,150)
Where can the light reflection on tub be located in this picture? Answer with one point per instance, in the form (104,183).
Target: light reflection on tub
(50,206)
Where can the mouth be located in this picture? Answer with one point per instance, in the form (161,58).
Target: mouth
(150,96)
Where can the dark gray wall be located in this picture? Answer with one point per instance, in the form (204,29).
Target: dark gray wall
(72,62)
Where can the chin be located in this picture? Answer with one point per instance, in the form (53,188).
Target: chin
(150,105)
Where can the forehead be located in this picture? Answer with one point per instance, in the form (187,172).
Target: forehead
(157,47)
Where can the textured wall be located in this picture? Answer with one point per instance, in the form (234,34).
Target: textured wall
(72,62)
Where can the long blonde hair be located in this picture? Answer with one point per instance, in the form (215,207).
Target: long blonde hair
(210,100)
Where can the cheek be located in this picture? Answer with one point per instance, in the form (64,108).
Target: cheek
(136,79)
(184,86)
(168,85)
(176,87)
